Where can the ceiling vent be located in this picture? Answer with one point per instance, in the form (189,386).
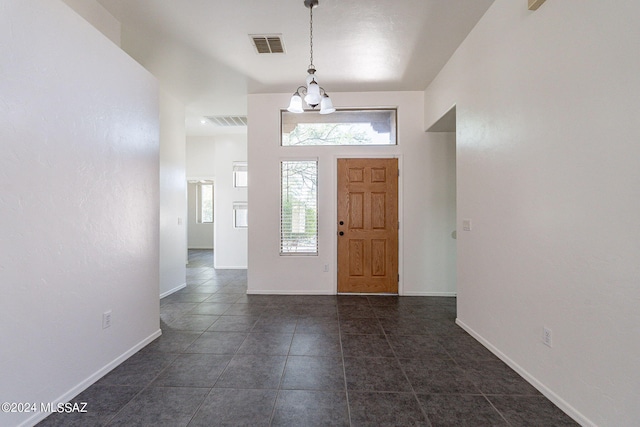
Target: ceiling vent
(267,43)
(228,121)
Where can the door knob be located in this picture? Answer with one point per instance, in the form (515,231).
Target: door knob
(341,233)
(341,222)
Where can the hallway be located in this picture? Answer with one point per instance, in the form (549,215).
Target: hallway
(227,358)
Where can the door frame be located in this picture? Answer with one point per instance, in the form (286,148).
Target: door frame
(334,207)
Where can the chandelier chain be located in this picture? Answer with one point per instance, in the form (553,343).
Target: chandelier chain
(311,36)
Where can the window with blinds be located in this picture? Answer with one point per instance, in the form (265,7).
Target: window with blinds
(240,174)
(299,207)
(204,200)
(240,215)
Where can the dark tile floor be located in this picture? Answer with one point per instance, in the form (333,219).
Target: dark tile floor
(230,359)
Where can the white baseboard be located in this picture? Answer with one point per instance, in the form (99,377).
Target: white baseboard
(429,294)
(171,291)
(287,292)
(548,393)
(281,292)
(230,267)
(89,381)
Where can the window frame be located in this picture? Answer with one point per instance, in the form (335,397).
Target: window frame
(282,241)
(393,131)
(237,206)
(199,202)
(237,167)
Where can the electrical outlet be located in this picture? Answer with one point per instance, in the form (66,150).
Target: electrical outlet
(326,268)
(106,319)
(547,338)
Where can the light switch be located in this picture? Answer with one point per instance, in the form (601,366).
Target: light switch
(466,224)
(179,221)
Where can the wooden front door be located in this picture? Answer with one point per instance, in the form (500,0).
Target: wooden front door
(368,226)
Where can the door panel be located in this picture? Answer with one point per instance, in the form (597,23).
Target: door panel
(368,225)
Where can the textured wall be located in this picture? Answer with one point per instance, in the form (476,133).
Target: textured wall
(78,202)
(97,16)
(547,159)
(173,195)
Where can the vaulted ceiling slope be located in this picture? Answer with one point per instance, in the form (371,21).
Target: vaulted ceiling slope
(202,52)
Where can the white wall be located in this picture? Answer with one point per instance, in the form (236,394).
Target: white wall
(97,16)
(230,243)
(201,152)
(212,157)
(173,196)
(548,172)
(79,202)
(427,205)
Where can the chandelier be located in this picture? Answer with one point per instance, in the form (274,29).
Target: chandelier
(313,94)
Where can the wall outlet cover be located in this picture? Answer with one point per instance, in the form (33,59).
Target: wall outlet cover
(547,337)
(106,319)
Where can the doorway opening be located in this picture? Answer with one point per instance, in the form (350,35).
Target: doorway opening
(446,127)
(200,217)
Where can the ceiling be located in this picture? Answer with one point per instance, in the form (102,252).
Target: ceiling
(201,51)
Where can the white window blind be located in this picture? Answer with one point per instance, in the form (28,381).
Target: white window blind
(240,174)
(299,208)
(240,215)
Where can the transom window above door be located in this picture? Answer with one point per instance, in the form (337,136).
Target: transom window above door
(344,127)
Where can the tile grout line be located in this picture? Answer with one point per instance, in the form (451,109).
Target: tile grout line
(184,352)
(226,366)
(344,367)
(397,359)
(148,386)
(284,368)
(480,391)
